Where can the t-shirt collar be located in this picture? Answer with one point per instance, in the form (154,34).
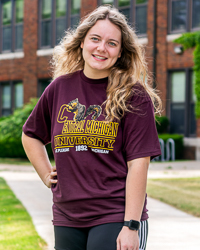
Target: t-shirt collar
(93,81)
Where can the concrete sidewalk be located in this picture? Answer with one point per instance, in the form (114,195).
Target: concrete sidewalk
(169,228)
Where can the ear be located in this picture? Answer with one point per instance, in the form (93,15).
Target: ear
(81,45)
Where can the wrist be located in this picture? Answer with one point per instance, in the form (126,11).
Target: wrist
(46,180)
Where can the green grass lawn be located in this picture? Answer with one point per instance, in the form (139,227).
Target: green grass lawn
(16,228)
(182,193)
(15,161)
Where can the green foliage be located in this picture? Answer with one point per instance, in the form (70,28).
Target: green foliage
(162,123)
(11,131)
(190,40)
(140,1)
(11,126)
(178,140)
(16,228)
(197,78)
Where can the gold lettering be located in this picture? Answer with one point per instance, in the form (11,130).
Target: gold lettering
(65,128)
(95,141)
(61,141)
(55,142)
(78,140)
(84,140)
(71,127)
(92,127)
(103,128)
(90,140)
(95,127)
(110,129)
(61,118)
(88,127)
(115,129)
(102,142)
(99,128)
(71,140)
(110,143)
(80,126)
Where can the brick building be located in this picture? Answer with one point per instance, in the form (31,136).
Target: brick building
(29,29)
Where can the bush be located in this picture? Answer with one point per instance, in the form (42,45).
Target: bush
(11,131)
(179,145)
(162,123)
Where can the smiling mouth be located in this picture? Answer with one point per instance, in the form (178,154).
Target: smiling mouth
(100,57)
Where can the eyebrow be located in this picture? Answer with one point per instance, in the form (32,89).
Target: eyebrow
(100,37)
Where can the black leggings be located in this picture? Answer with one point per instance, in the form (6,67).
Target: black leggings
(101,237)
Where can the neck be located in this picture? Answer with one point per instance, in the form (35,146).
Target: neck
(95,75)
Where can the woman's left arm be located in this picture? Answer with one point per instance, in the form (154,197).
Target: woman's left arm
(135,196)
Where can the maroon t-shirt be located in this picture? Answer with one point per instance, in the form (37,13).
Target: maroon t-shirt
(91,156)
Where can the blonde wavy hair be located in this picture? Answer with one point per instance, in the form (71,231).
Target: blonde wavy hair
(129,69)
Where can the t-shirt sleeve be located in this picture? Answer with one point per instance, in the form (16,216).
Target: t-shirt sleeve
(38,124)
(140,138)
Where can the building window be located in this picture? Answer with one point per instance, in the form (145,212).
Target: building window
(11,23)
(6,99)
(134,10)
(184,15)
(55,17)
(42,84)
(141,16)
(196,14)
(182,102)
(11,96)
(18,95)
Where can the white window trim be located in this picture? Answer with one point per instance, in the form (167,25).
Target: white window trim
(172,37)
(44,52)
(13,55)
(143,40)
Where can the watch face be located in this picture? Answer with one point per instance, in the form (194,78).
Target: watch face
(134,225)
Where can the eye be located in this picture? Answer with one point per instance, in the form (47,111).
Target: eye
(112,44)
(95,39)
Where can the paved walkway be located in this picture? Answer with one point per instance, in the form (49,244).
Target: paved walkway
(169,228)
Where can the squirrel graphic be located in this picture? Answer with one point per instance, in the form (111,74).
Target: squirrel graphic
(79,110)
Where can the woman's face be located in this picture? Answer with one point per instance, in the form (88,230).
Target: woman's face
(101,49)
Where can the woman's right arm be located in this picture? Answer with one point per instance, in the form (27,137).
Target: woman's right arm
(37,154)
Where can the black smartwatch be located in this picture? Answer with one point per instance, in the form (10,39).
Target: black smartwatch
(132,224)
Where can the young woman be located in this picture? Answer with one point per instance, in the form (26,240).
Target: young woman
(98,113)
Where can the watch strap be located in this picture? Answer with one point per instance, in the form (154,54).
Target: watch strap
(132,224)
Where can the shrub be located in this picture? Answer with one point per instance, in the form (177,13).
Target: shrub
(162,123)
(178,139)
(11,130)
(191,40)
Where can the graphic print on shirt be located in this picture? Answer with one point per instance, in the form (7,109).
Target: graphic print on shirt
(79,110)
(81,133)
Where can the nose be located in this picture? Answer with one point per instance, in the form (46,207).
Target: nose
(101,46)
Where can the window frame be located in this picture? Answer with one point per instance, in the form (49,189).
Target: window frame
(12,93)
(53,22)
(188,98)
(13,30)
(132,19)
(134,14)
(2,84)
(189,4)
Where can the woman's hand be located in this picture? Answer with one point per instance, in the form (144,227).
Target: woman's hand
(50,178)
(128,239)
